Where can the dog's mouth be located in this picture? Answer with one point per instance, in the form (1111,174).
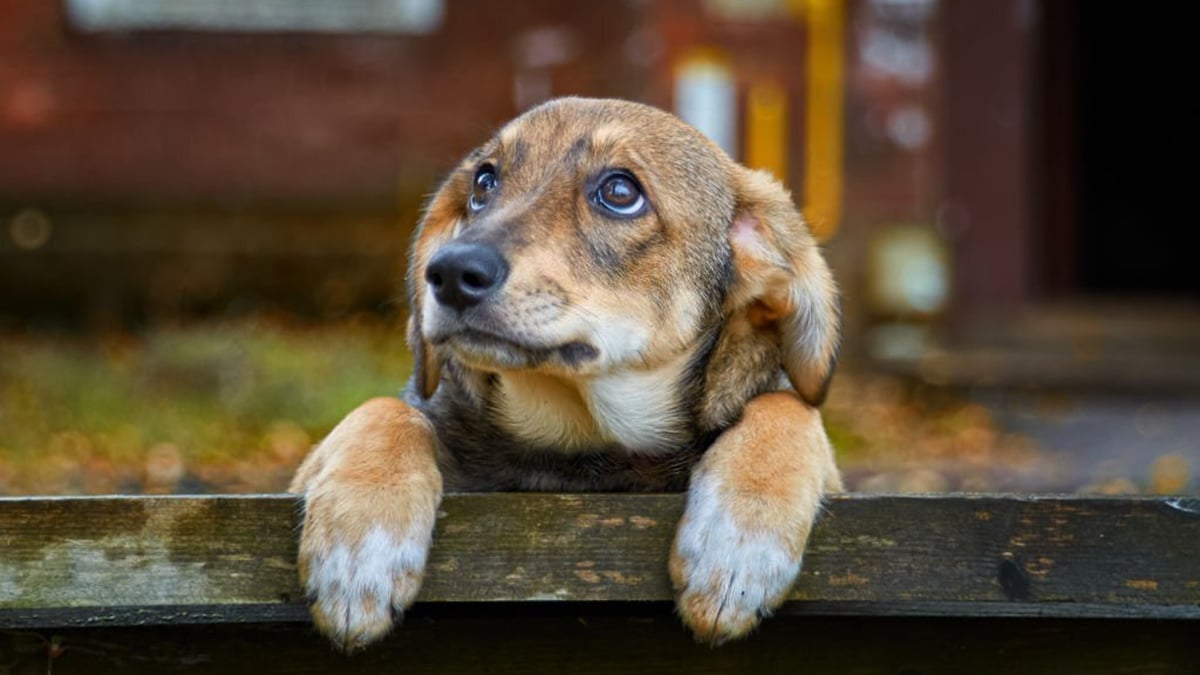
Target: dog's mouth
(489,349)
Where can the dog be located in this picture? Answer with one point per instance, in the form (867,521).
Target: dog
(601,300)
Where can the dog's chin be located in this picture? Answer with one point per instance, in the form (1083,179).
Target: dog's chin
(489,351)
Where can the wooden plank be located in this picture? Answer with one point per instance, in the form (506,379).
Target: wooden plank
(626,642)
(185,560)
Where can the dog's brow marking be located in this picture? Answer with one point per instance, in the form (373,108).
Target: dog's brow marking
(516,153)
(581,146)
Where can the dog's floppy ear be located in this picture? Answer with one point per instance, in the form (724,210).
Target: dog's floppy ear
(782,282)
(436,228)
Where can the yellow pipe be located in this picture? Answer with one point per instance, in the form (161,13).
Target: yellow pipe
(823,120)
(767,128)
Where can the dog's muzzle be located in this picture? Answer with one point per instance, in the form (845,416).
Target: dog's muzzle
(464,274)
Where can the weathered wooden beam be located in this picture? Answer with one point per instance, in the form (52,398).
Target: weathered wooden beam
(117,561)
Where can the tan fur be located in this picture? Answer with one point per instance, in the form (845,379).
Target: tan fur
(785,280)
(546,408)
(376,469)
(543,271)
(627,339)
(774,466)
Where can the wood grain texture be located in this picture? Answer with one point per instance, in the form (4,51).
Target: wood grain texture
(230,559)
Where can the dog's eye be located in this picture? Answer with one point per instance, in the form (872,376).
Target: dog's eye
(481,189)
(619,193)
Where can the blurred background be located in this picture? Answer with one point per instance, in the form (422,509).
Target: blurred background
(205,208)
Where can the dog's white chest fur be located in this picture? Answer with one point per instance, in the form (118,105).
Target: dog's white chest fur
(639,410)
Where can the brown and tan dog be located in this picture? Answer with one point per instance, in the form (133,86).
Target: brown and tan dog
(601,300)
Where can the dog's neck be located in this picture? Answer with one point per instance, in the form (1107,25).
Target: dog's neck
(641,411)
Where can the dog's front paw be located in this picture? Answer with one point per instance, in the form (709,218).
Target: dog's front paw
(360,573)
(371,493)
(728,573)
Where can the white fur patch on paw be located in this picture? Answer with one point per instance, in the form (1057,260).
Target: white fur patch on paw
(358,589)
(727,574)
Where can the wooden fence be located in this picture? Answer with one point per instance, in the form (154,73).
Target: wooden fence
(542,583)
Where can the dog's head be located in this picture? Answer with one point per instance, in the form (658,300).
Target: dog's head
(598,236)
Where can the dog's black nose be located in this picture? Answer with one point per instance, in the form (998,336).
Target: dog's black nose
(465,273)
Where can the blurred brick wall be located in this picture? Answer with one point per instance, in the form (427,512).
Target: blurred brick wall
(199,172)
(192,115)
(178,173)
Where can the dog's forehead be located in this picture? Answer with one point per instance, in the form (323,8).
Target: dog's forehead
(566,118)
(561,145)
(575,128)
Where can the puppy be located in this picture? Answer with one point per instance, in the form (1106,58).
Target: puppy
(601,300)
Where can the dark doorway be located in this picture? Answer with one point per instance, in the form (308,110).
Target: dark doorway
(1131,111)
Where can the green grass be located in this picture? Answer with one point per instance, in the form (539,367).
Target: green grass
(234,406)
(224,405)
